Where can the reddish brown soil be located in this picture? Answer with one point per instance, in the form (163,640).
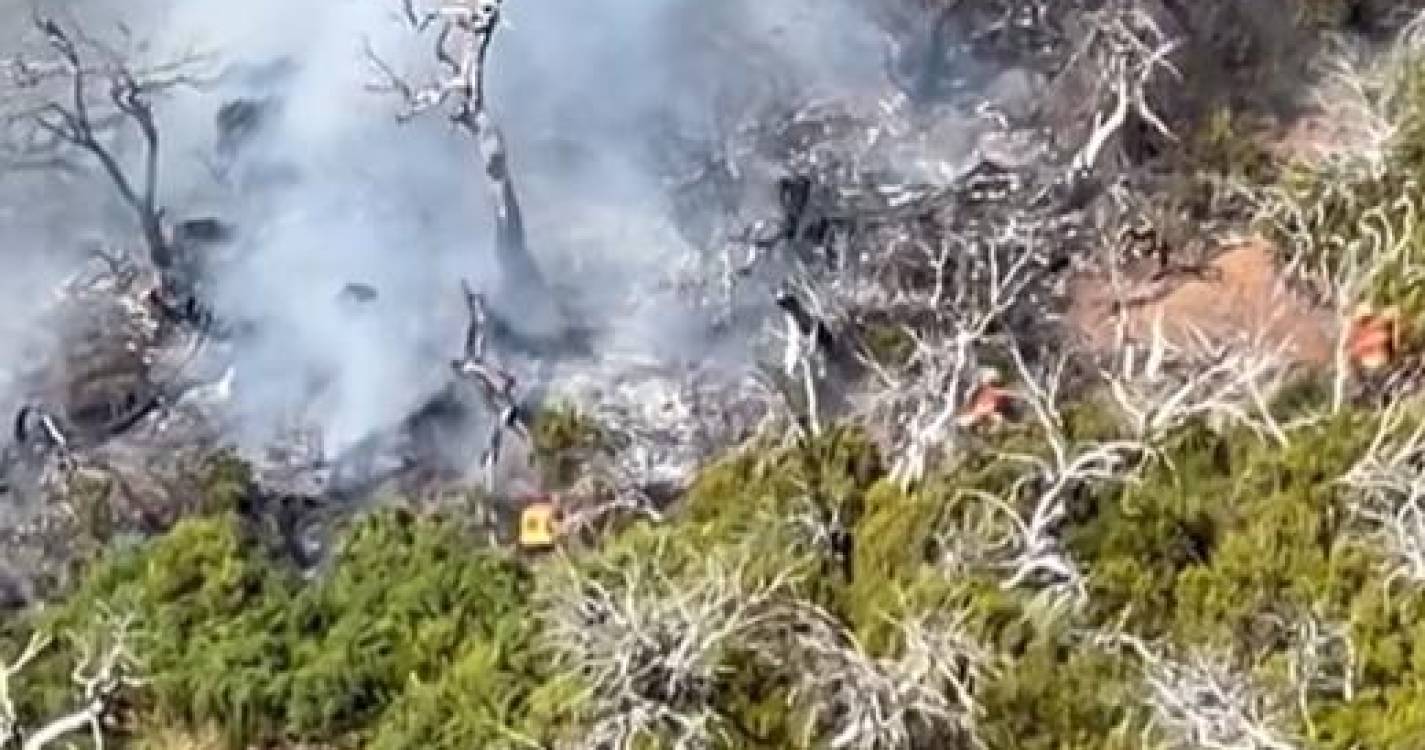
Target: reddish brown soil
(1243,297)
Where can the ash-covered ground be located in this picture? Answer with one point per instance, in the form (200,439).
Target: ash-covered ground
(367,246)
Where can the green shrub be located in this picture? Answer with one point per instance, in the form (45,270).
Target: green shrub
(231,639)
(564,441)
(413,637)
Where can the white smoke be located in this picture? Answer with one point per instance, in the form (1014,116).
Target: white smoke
(334,191)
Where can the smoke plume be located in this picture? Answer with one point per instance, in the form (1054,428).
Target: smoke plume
(327,190)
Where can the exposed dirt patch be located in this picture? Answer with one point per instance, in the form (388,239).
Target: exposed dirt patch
(1239,295)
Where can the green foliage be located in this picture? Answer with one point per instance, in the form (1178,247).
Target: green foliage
(1404,106)
(1233,527)
(1225,145)
(739,512)
(1364,211)
(564,441)
(224,482)
(1239,530)
(1055,696)
(414,638)
(888,343)
(892,539)
(172,738)
(1386,709)
(479,700)
(232,640)
(754,494)
(1342,217)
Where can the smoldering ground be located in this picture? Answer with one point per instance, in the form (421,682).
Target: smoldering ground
(327,190)
(341,285)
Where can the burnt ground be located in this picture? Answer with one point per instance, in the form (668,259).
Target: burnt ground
(860,195)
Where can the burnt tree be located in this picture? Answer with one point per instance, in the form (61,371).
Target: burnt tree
(74,93)
(463,33)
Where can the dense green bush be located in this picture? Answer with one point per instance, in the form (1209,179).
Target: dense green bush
(230,638)
(564,441)
(412,636)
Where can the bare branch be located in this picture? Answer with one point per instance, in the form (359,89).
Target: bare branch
(464,31)
(1035,553)
(651,651)
(1202,702)
(103,669)
(10,729)
(919,404)
(75,94)
(1165,387)
(1130,50)
(1388,494)
(1321,661)
(854,700)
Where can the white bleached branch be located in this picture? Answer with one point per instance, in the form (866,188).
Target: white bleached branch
(102,671)
(1387,486)
(1165,387)
(1203,702)
(855,700)
(1035,549)
(1130,49)
(650,651)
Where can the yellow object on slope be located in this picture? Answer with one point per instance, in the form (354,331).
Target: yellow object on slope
(538,525)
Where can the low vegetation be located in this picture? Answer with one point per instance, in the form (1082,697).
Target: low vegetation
(414,636)
(1172,552)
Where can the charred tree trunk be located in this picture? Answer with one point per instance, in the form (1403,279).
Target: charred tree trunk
(523,281)
(460,49)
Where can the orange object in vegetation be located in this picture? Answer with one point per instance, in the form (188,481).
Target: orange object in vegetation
(988,403)
(539,526)
(1373,337)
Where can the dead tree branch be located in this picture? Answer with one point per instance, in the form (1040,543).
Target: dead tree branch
(1164,387)
(497,386)
(10,725)
(1341,263)
(464,31)
(918,403)
(1036,553)
(1130,49)
(651,651)
(1387,486)
(75,94)
(103,670)
(1321,661)
(660,422)
(855,700)
(809,346)
(1202,702)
